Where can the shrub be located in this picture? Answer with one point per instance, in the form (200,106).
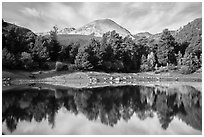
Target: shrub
(51,65)
(26,60)
(187,70)
(172,67)
(72,67)
(199,70)
(192,61)
(107,65)
(61,66)
(45,66)
(117,66)
(144,67)
(163,69)
(8,59)
(147,64)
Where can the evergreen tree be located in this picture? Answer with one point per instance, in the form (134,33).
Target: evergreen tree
(200,59)
(179,58)
(82,60)
(73,52)
(143,65)
(54,46)
(145,45)
(151,60)
(87,58)
(40,51)
(106,51)
(165,51)
(192,62)
(147,64)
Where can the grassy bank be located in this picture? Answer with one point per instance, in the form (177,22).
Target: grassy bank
(96,79)
(31,75)
(150,76)
(145,76)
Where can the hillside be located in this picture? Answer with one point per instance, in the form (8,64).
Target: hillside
(153,36)
(15,37)
(7,28)
(66,30)
(15,40)
(142,34)
(191,36)
(22,49)
(190,31)
(66,39)
(188,36)
(61,31)
(158,35)
(99,27)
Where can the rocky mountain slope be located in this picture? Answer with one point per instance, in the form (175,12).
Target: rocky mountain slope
(61,31)
(14,37)
(191,32)
(66,30)
(191,35)
(153,36)
(8,27)
(186,33)
(99,27)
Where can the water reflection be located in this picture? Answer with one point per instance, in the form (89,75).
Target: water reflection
(108,105)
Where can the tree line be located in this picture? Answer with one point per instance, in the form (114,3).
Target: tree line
(112,53)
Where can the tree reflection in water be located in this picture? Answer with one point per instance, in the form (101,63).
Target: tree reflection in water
(109,104)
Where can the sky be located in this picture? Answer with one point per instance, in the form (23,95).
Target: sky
(136,17)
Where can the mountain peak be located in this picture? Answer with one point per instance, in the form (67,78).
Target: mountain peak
(104,20)
(101,26)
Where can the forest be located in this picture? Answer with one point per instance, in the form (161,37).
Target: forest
(24,50)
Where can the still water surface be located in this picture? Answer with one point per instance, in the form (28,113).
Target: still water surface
(107,110)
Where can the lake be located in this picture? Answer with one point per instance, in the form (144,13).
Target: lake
(106,110)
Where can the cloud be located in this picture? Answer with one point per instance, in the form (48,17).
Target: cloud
(157,16)
(134,16)
(31,12)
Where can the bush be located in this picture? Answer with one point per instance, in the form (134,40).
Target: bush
(187,70)
(144,67)
(199,70)
(161,69)
(147,64)
(107,65)
(44,66)
(8,59)
(51,65)
(26,60)
(72,67)
(61,66)
(117,66)
(172,67)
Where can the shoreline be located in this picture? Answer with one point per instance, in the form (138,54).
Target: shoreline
(100,79)
(144,76)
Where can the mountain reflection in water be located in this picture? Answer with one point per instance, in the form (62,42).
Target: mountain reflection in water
(109,105)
